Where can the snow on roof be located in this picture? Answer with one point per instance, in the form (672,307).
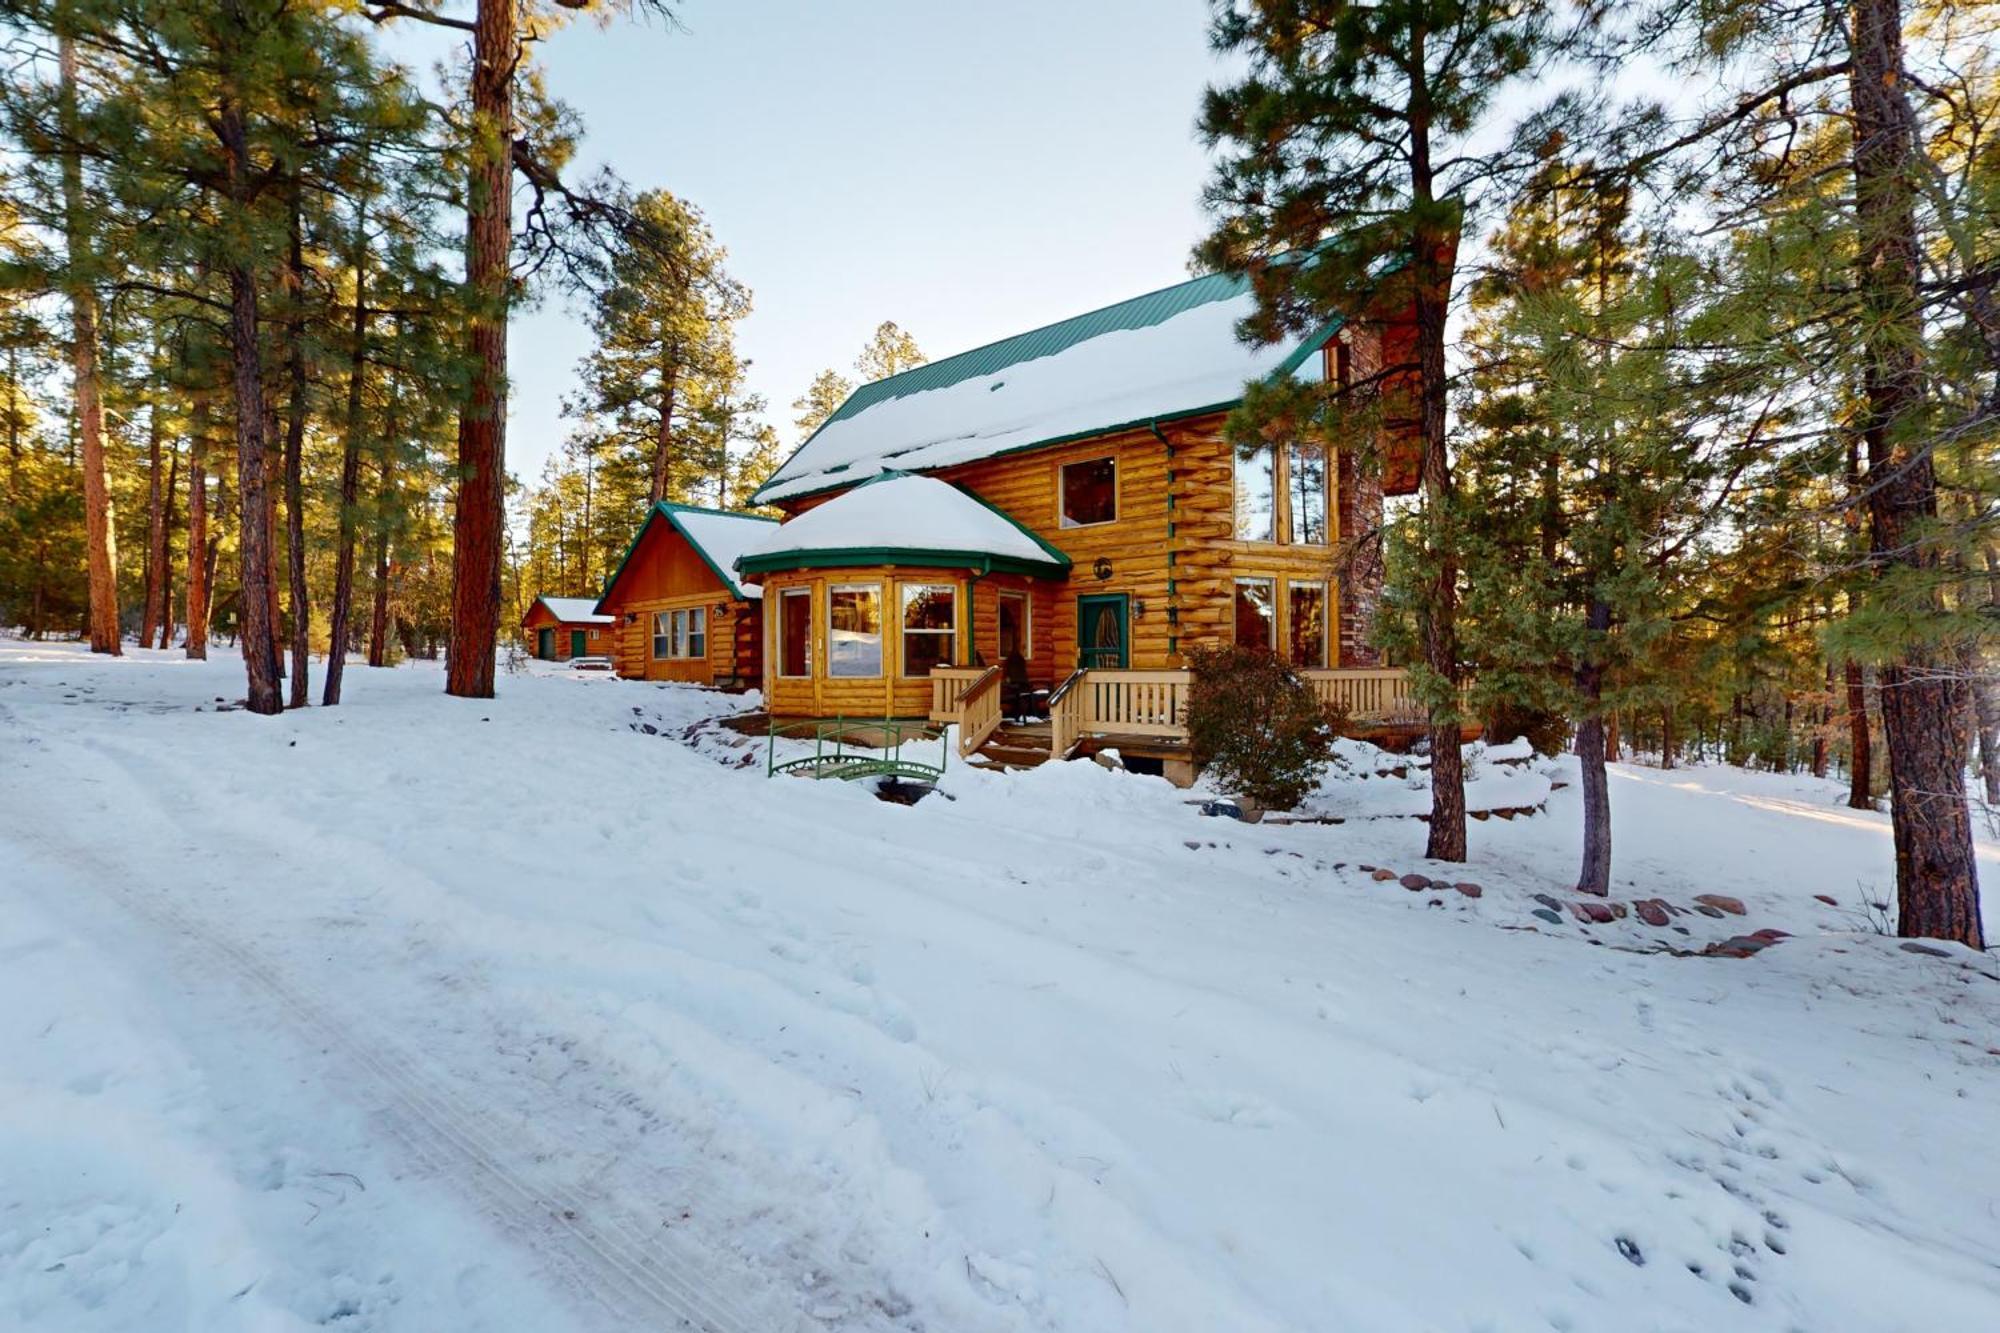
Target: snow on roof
(575,610)
(721,537)
(718,536)
(1166,354)
(899,515)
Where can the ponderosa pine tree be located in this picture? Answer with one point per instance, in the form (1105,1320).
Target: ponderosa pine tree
(822,398)
(664,323)
(1351,155)
(1886,256)
(889,351)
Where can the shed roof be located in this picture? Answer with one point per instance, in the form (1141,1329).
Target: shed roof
(718,536)
(1170,353)
(572,610)
(900,519)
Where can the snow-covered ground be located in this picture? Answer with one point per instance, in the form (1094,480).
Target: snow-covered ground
(428,1014)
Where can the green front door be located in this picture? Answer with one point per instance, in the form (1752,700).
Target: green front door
(1101,640)
(545,644)
(576,648)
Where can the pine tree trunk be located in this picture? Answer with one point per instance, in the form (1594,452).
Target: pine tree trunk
(156,533)
(197,534)
(663,445)
(100,533)
(378,628)
(350,469)
(258,631)
(482,425)
(1986,693)
(1434,263)
(1666,738)
(166,551)
(295,443)
(1922,698)
(1860,756)
(1591,741)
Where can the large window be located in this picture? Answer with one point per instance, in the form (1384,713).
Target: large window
(854,629)
(1256,505)
(930,626)
(795,632)
(1306,490)
(1256,621)
(1308,624)
(680,634)
(1014,626)
(1089,492)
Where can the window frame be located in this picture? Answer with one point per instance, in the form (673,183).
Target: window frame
(1235,618)
(949,633)
(1237,462)
(1290,527)
(680,633)
(1325,591)
(1063,519)
(785,596)
(833,590)
(668,637)
(1027,623)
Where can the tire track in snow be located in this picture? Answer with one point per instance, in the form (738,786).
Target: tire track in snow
(636,1276)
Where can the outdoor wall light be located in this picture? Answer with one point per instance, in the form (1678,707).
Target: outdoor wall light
(1139,609)
(631,617)
(722,610)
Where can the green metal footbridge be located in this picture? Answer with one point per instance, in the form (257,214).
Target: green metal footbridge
(854,748)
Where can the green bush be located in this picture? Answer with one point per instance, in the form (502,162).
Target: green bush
(1548,731)
(1256,726)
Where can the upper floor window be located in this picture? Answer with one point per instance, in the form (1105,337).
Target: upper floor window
(1306,489)
(1281,495)
(1089,492)
(1256,501)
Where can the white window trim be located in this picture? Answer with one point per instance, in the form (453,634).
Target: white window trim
(949,634)
(881,633)
(1062,489)
(778,633)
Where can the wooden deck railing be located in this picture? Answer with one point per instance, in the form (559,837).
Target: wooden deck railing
(1103,701)
(947,683)
(978,711)
(1366,692)
(1137,703)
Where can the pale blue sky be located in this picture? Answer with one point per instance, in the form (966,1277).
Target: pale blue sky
(967,171)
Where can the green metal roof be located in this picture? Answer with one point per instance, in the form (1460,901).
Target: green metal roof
(1137,313)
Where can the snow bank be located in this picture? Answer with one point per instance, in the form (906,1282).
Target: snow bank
(1048,1051)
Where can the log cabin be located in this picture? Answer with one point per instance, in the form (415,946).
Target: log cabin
(1068,497)
(680,610)
(559,629)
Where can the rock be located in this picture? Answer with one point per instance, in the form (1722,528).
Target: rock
(1364,869)
(1383,875)
(1546,915)
(1706,910)
(1222,809)
(1550,901)
(1911,946)
(1651,911)
(1722,901)
(1592,912)
(1415,883)
(1618,910)
(1770,934)
(1738,946)
(646,727)
(1827,899)
(1468,888)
